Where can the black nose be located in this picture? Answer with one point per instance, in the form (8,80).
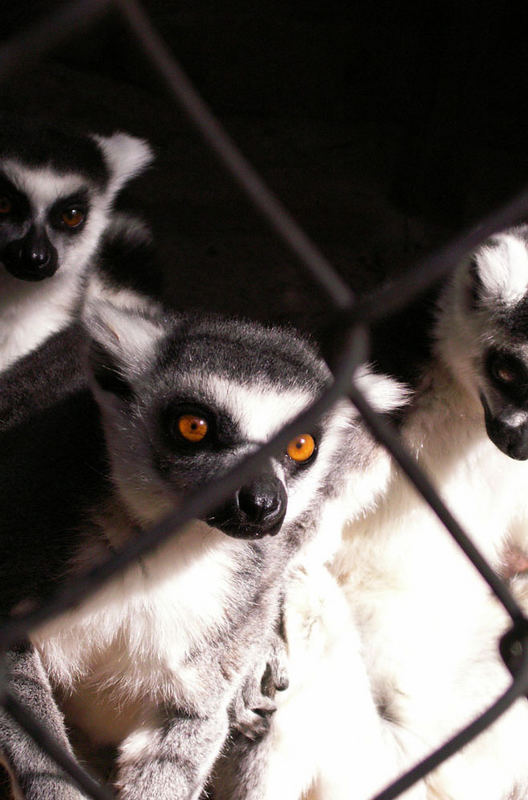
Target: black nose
(257,509)
(511,439)
(260,500)
(38,256)
(31,258)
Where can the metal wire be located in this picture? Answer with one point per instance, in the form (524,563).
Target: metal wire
(37,41)
(383,433)
(517,689)
(393,297)
(237,165)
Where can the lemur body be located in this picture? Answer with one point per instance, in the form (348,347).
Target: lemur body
(428,625)
(56,194)
(154,662)
(326,738)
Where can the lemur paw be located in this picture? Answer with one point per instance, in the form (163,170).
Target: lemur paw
(254,705)
(255,723)
(275,678)
(252,709)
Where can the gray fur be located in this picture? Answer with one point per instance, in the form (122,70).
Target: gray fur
(33,774)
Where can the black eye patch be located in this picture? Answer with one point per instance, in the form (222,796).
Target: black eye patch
(189,426)
(293,466)
(181,430)
(70,213)
(509,374)
(15,202)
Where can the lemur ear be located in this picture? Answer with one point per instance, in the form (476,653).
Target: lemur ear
(498,269)
(385,394)
(125,155)
(122,345)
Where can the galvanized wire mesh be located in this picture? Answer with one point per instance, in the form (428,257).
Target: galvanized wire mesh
(352,317)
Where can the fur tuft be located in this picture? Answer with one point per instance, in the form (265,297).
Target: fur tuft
(126,157)
(385,394)
(502,268)
(122,336)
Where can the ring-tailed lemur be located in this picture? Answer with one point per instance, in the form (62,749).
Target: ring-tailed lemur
(57,188)
(429,628)
(153,664)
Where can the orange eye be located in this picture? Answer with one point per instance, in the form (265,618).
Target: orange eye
(192,427)
(5,205)
(301,448)
(72,217)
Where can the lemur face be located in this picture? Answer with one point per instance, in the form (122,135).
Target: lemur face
(202,431)
(493,337)
(45,219)
(505,399)
(184,400)
(56,191)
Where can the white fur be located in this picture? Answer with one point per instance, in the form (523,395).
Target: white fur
(384,394)
(317,735)
(130,641)
(327,741)
(503,268)
(41,185)
(125,155)
(100,291)
(429,627)
(423,612)
(130,336)
(259,410)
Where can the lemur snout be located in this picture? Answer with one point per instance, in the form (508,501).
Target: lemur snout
(257,509)
(263,500)
(510,438)
(31,258)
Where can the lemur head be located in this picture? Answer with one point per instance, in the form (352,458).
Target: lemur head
(56,193)
(183,399)
(482,333)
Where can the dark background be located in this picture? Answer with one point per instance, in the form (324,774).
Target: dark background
(384,128)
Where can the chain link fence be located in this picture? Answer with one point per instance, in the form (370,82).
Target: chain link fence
(351,320)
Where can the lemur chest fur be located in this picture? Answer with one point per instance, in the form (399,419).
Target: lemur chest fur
(27,319)
(140,641)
